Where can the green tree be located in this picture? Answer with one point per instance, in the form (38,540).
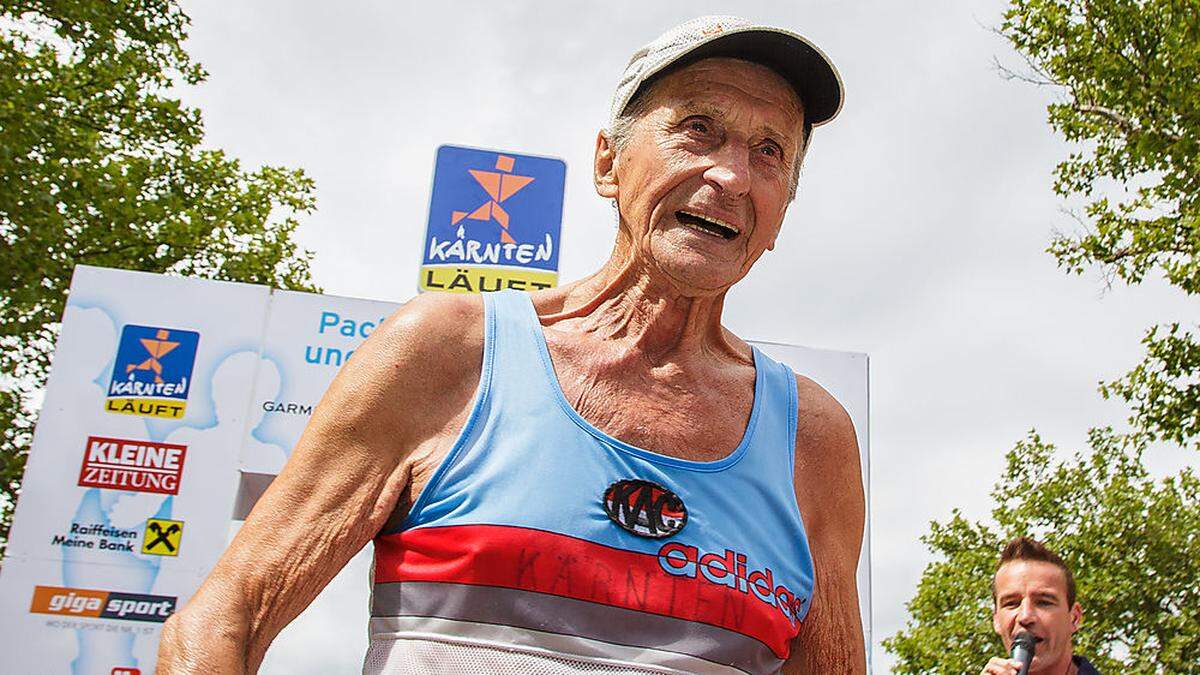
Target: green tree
(101,165)
(1128,72)
(1132,540)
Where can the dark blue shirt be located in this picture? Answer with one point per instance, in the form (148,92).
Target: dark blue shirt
(1085,668)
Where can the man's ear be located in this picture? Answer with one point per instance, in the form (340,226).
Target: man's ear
(605,167)
(1076,617)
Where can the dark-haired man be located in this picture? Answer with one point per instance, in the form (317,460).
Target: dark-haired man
(1033,591)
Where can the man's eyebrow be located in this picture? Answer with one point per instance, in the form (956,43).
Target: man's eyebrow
(702,108)
(768,131)
(717,113)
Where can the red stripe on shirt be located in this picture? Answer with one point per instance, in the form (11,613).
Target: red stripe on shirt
(546,562)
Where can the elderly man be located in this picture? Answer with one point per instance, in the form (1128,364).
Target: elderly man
(1033,591)
(597,478)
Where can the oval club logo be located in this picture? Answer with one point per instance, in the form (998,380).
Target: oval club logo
(644,508)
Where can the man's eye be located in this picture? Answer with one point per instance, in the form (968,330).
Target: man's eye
(771,150)
(698,126)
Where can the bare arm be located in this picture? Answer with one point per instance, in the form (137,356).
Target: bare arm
(830,494)
(406,387)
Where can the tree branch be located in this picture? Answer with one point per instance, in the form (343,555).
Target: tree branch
(1124,123)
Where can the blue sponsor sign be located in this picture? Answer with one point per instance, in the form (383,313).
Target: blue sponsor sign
(494,221)
(153,371)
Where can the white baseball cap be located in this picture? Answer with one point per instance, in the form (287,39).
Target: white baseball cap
(805,67)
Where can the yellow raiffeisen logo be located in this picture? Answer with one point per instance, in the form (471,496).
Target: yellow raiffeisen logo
(459,279)
(162,537)
(153,372)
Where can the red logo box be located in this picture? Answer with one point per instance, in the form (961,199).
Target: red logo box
(136,466)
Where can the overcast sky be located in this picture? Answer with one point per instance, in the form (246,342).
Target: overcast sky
(917,237)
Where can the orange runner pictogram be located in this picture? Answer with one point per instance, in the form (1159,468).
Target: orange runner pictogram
(500,185)
(157,349)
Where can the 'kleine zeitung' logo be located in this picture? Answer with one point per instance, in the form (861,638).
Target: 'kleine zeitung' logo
(135,466)
(644,508)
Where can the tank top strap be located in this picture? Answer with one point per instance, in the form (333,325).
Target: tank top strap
(774,447)
(518,349)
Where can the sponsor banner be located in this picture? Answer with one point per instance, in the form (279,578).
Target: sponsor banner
(84,602)
(97,475)
(494,221)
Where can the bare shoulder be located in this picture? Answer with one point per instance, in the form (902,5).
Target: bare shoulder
(828,469)
(417,369)
(434,331)
(824,430)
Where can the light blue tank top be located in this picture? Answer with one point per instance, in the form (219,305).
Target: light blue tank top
(540,536)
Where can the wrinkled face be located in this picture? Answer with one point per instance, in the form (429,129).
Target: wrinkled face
(1031,595)
(703,184)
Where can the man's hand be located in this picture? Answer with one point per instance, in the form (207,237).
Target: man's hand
(1001,666)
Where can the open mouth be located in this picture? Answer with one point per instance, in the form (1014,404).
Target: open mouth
(708,225)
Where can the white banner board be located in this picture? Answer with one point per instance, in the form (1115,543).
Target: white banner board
(168,398)
(125,502)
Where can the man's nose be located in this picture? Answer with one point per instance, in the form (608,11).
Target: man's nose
(730,171)
(1025,615)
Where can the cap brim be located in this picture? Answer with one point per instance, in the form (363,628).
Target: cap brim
(805,67)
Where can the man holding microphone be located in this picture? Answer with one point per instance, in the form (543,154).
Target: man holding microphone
(1033,592)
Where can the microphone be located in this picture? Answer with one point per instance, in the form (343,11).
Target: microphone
(1022,650)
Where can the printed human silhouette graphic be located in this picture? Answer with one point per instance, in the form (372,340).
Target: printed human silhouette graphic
(500,185)
(157,347)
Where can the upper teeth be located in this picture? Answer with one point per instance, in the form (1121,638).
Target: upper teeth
(715,221)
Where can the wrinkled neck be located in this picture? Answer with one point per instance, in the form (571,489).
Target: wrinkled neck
(628,302)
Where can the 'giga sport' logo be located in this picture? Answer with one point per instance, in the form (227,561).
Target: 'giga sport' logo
(101,604)
(153,372)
